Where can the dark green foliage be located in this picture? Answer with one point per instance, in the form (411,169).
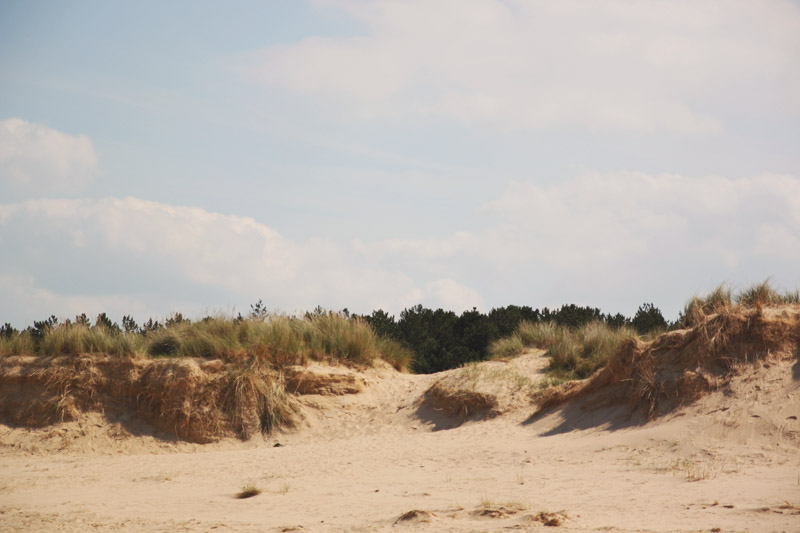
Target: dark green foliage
(40,329)
(442,339)
(176,320)
(258,310)
(618,320)
(7,331)
(648,318)
(383,324)
(129,324)
(572,316)
(104,322)
(150,326)
(506,319)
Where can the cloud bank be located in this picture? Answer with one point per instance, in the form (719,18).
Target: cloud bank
(59,254)
(615,238)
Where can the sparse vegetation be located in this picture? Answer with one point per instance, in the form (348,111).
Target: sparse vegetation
(248,491)
(721,335)
(722,299)
(574,352)
(276,340)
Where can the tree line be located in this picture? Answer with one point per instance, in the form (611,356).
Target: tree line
(443,339)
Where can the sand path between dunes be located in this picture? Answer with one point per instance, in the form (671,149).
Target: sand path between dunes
(363,461)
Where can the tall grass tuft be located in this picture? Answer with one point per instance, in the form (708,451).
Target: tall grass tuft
(347,339)
(722,299)
(17,343)
(278,340)
(763,294)
(74,339)
(528,335)
(506,347)
(574,353)
(698,307)
(540,334)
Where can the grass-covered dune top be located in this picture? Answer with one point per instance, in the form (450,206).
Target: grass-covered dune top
(578,352)
(718,337)
(199,381)
(276,340)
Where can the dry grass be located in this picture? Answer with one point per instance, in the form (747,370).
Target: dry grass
(199,381)
(193,399)
(574,353)
(722,299)
(528,335)
(276,340)
(680,366)
(18,344)
(581,352)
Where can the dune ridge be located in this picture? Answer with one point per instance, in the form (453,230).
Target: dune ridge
(696,430)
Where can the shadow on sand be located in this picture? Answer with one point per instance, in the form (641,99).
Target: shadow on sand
(581,415)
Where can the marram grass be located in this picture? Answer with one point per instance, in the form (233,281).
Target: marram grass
(278,340)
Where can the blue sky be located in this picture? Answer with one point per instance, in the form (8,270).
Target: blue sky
(199,156)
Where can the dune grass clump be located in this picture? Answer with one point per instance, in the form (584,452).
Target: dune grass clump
(574,353)
(507,347)
(527,335)
(278,340)
(74,339)
(250,391)
(727,334)
(17,343)
(722,299)
(698,307)
(581,352)
(540,334)
(765,295)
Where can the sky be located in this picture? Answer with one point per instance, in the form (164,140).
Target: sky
(198,156)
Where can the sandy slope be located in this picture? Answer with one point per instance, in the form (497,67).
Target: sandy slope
(362,461)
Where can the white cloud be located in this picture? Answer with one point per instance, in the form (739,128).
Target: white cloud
(611,240)
(41,160)
(150,255)
(672,66)
(620,237)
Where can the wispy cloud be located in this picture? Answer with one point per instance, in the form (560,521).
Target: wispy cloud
(676,66)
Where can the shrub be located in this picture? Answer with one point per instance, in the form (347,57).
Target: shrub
(648,318)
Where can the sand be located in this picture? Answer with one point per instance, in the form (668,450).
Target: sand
(385,459)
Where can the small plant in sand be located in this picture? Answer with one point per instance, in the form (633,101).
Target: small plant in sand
(248,491)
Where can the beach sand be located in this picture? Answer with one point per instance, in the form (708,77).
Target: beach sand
(384,459)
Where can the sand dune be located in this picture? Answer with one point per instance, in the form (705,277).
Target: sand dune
(456,451)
